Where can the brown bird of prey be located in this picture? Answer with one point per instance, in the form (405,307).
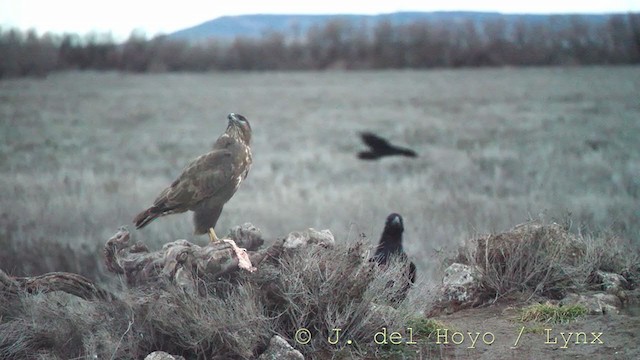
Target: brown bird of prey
(208,181)
(379,147)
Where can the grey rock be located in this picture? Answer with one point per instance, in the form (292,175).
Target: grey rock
(161,355)
(246,236)
(596,304)
(609,282)
(461,284)
(279,349)
(310,236)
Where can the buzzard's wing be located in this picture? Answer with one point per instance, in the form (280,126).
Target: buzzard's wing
(374,141)
(201,179)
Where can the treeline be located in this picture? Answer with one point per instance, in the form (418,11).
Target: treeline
(338,44)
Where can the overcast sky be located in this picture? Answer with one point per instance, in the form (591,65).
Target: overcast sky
(120,17)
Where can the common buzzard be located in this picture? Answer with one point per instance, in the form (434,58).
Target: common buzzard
(380,147)
(208,181)
(391,245)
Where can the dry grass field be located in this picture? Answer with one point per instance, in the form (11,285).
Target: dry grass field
(82,153)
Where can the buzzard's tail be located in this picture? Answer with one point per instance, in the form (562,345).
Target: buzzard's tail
(141,220)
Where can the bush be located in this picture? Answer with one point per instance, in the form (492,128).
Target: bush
(314,288)
(544,260)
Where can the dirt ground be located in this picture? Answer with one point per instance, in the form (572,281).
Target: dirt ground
(619,338)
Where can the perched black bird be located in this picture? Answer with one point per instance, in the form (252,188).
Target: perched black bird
(391,244)
(380,147)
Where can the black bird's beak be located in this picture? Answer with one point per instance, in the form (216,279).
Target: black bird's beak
(394,221)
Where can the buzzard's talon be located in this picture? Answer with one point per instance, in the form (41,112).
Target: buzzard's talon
(213,238)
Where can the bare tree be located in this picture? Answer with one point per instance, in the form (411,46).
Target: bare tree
(340,43)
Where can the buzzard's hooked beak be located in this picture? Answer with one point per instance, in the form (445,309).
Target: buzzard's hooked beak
(236,118)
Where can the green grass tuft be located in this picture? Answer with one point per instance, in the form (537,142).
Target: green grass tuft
(548,313)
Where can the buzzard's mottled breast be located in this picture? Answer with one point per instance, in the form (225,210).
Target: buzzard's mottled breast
(236,140)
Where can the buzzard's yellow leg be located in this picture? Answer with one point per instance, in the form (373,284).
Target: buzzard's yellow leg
(212,236)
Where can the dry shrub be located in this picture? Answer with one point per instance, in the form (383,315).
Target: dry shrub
(65,327)
(546,259)
(197,327)
(322,289)
(611,253)
(315,288)
(534,258)
(58,326)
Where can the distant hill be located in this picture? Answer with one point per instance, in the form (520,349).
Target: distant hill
(257,25)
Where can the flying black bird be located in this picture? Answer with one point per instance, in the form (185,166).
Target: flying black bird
(391,245)
(208,181)
(380,147)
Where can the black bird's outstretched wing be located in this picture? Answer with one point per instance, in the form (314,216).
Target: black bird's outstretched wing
(379,147)
(374,141)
